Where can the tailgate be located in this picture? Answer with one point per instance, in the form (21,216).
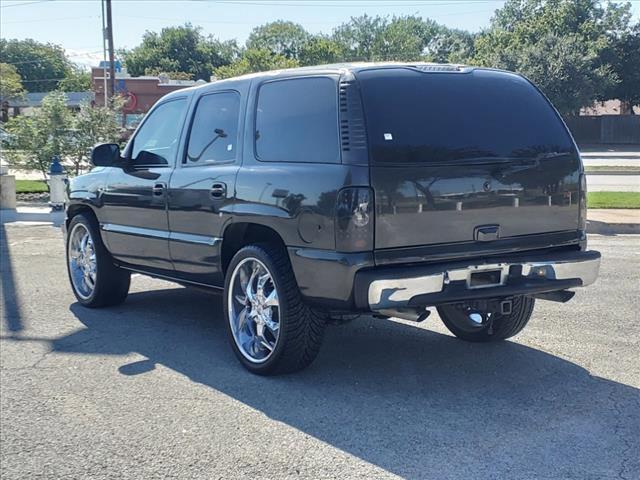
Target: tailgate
(422,205)
(466,155)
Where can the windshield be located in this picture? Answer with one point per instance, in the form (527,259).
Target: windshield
(418,117)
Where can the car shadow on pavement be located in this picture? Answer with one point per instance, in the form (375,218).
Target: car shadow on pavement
(406,399)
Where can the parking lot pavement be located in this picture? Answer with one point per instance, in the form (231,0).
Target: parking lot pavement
(150,389)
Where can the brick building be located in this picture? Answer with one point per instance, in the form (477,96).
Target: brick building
(141,92)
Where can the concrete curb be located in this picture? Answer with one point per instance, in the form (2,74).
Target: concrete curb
(604,228)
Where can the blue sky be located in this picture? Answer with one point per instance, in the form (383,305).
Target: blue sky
(76,24)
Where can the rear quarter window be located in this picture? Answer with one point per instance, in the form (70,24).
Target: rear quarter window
(297,121)
(421,117)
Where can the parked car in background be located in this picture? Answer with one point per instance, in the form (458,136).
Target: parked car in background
(316,192)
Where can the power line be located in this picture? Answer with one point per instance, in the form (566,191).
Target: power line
(23,4)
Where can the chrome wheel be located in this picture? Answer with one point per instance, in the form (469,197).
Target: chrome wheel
(254,313)
(82,260)
(470,320)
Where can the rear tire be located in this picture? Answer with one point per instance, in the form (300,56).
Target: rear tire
(95,280)
(490,329)
(270,328)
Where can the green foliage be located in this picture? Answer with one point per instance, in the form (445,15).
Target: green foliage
(90,126)
(451,46)
(623,55)
(255,61)
(404,39)
(76,81)
(55,130)
(558,44)
(10,82)
(34,139)
(279,37)
(180,49)
(41,66)
(360,37)
(320,50)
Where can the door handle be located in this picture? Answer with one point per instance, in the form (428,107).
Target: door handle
(218,190)
(159,189)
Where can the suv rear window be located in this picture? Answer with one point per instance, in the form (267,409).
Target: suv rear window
(297,121)
(421,117)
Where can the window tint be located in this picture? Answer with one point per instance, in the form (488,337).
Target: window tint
(156,142)
(435,117)
(214,133)
(297,121)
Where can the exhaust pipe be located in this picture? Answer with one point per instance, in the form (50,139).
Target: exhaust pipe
(406,313)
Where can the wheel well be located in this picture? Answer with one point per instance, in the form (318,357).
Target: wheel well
(74,210)
(238,235)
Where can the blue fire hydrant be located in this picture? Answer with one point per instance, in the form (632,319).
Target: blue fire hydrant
(57,184)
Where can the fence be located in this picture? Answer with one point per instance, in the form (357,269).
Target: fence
(605,128)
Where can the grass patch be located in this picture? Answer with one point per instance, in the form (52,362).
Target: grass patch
(31,186)
(613,199)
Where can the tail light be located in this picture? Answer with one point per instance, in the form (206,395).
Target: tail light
(582,217)
(354,220)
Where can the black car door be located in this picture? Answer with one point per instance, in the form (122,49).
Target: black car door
(201,189)
(135,199)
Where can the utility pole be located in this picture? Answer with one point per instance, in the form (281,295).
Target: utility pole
(104,54)
(112,66)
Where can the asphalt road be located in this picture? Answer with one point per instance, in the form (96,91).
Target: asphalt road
(150,389)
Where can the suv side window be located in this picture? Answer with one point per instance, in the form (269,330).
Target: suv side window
(156,142)
(297,121)
(214,131)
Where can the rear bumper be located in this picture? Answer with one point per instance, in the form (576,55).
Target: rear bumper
(417,286)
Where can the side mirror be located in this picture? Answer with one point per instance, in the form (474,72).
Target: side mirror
(105,155)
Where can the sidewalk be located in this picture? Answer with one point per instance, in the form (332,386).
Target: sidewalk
(611,221)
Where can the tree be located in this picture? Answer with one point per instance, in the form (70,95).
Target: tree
(255,61)
(624,57)
(55,130)
(40,65)
(567,74)
(90,126)
(404,39)
(451,46)
(76,81)
(320,50)
(180,49)
(360,36)
(34,139)
(279,37)
(10,82)
(558,44)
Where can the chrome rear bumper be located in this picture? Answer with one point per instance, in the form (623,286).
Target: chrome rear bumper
(383,289)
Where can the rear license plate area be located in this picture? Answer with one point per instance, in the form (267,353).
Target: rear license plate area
(485,278)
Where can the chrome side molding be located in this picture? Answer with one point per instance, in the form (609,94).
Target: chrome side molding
(163,234)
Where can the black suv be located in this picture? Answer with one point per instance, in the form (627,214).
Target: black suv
(323,192)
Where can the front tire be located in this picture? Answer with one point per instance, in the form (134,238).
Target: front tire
(478,326)
(95,280)
(270,328)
